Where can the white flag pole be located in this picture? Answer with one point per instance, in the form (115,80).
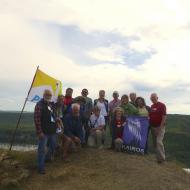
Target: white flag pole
(19,118)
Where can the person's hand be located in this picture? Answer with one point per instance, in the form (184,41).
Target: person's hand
(41,135)
(124,124)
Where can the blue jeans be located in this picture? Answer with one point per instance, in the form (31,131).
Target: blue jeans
(49,140)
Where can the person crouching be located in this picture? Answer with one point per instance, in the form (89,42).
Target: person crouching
(73,127)
(118,122)
(96,129)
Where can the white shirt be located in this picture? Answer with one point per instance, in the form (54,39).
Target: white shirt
(102,107)
(100,120)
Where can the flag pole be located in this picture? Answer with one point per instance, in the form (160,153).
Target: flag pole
(20,116)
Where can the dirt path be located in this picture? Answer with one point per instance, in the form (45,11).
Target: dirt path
(103,169)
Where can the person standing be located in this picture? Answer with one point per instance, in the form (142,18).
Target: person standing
(88,108)
(143,111)
(63,142)
(158,123)
(116,102)
(68,100)
(45,123)
(129,109)
(102,103)
(133,97)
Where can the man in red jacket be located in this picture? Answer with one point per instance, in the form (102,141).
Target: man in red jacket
(157,123)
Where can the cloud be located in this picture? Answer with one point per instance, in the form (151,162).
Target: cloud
(114,45)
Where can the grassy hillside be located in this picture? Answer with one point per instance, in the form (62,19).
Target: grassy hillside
(177,137)
(92,169)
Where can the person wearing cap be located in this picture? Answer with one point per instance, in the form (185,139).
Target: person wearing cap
(81,101)
(88,108)
(45,123)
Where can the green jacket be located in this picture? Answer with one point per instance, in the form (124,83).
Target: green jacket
(129,109)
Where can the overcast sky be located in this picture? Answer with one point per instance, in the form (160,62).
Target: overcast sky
(124,45)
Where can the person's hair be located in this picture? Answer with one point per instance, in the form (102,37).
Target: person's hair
(125,96)
(140,98)
(47,91)
(60,96)
(154,94)
(75,105)
(102,91)
(79,99)
(132,93)
(118,109)
(96,108)
(69,89)
(84,89)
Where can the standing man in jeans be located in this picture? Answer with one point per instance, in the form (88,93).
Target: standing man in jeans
(44,119)
(88,108)
(157,123)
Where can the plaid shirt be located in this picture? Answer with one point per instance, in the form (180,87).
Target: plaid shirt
(37,118)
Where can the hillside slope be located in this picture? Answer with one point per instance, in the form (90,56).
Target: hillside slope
(104,169)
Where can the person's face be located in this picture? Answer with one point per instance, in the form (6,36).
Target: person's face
(154,98)
(118,114)
(102,94)
(69,93)
(97,113)
(75,111)
(124,100)
(85,93)
(60,100)
(47,96)
(115,96)
(132,97)
(140,103)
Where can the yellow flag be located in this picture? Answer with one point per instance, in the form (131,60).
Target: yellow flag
(42,81)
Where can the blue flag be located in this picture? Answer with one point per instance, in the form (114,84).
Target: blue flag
(135,134)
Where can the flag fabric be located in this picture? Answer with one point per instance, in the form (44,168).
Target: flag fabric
(41,82)
(135,134)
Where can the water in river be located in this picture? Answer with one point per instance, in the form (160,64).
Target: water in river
(27,147)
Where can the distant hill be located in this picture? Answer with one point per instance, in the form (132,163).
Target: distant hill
(177,138)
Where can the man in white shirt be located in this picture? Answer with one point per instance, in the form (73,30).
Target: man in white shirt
(96,123)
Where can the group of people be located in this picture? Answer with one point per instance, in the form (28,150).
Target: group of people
(72,123)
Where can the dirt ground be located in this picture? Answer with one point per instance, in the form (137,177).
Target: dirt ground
(93,169)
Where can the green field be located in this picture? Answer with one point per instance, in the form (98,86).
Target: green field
(177,138)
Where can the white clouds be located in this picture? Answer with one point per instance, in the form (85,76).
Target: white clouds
(113,53)
(159,25)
